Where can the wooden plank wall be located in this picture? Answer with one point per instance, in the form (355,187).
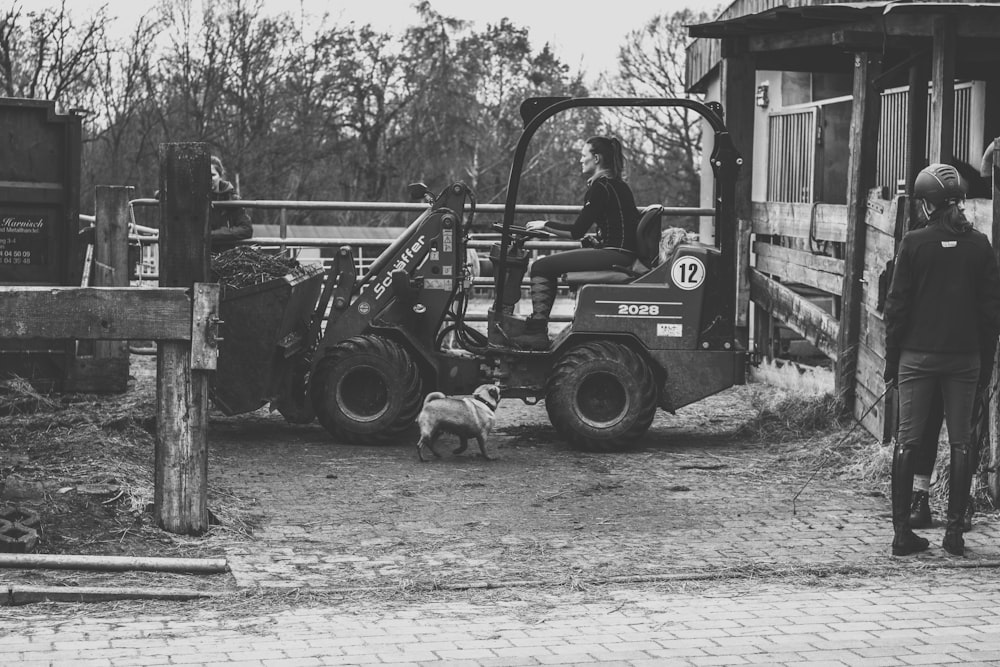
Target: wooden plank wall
(775,262)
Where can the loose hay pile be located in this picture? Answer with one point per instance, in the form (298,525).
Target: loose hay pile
(831,440)
(854,454)
(17,396)
(85,463)
(786,417)
(244,266)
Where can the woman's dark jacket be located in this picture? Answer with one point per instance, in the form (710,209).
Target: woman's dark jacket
(945,292)
(610,205)
(228,224)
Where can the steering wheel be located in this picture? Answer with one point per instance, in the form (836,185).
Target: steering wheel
(524,232)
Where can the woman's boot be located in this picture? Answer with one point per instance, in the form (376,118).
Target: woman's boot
(904,541)
(960,477)
(536,327)
(535,336)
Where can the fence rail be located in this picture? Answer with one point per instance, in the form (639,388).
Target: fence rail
(146,237)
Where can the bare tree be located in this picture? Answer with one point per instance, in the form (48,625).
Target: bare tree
(651,64)
(47,55)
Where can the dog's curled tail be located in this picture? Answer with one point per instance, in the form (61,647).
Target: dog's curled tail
(433,396)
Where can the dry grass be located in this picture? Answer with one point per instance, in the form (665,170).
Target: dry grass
(783,417)
(17,396)
(69,445)
(839,445)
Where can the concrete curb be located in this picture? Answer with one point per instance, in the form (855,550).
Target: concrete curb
(702,575)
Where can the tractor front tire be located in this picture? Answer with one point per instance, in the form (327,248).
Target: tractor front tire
(601,396)
(367,391)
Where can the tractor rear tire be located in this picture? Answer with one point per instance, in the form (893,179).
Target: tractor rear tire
(367,391)
(601,396)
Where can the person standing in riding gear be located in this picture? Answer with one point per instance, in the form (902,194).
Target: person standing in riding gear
(610,206)
(228,225)
(941,314)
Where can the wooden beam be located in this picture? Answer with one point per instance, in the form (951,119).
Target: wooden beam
(796,312)
(993,479)
(847,38)
(180,484)
(822,222)
(95,313)
(943,90)
(978,24)
(738,90)
(916,150)
(860,179)
(916,128)
(798,266)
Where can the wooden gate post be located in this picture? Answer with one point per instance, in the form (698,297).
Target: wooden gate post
(860,179)
(739,73)
(111,267)
(102,366)
(180,494)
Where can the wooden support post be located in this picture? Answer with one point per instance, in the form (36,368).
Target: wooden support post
(739,72)
(860,179)
(180,493)
(111,268)
(943,90)
(916,133)
(993,479)
(102,366)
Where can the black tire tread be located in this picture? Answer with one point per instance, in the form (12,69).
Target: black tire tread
(406,381)
(564,420)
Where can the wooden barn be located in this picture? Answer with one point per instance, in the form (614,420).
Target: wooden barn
(835,106)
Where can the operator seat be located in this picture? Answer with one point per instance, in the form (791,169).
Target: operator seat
(647,236)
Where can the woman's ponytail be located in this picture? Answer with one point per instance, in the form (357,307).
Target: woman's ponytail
(611,154)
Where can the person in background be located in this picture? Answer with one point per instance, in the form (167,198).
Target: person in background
(920,513)
(228,225)
(610,206)
(942,315)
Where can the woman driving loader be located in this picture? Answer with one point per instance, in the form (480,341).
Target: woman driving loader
(608,204)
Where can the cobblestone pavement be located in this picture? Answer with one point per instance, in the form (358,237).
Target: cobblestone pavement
(948,618)
(693,499)
(688,551)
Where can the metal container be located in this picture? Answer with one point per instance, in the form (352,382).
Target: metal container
(264,332)
(39,222)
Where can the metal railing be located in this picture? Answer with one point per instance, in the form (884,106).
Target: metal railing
(892,131)
(147,236)
(791,155)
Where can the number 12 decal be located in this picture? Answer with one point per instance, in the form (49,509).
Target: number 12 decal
(688,272)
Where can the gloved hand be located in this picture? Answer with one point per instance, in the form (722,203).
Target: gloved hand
(591,241)
(891,372)
(535,225)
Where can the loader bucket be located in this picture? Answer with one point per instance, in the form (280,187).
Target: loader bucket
(264,333)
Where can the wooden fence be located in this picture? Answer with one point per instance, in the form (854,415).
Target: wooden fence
(800,245)
(181,314)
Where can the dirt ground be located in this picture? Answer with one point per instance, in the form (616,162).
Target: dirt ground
(538,512)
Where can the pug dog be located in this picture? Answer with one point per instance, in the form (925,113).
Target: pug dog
(464,416)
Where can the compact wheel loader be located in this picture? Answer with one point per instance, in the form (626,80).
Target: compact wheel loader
(657,335)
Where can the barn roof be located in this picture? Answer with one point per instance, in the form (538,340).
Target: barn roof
(823,37)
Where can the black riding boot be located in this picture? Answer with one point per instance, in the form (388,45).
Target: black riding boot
(960,478)
(536,327)
(904,542)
